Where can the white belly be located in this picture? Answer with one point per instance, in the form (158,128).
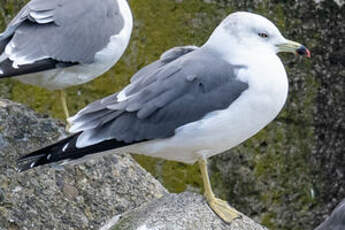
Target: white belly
(224,129)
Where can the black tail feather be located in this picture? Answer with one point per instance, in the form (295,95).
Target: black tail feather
(7,69)
(42,156)
(64,150)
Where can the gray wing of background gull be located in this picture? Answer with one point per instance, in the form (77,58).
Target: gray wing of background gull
(184,86)
(162,97)
(337,219)
(58,32)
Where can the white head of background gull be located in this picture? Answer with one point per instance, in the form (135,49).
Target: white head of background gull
(56,44)
(191,104)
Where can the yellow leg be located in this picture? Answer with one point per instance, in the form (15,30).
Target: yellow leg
(64,105)
(220,207)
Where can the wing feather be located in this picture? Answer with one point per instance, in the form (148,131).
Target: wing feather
(165,100)
(62,30)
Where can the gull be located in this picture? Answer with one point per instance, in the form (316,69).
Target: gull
(55,44)
(191,104)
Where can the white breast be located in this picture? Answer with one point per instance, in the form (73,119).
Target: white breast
(224,129)
(80,74)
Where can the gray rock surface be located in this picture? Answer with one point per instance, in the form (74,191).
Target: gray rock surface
(88,195)
(78,197)
(185,211)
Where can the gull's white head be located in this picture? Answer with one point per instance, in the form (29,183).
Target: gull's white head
(248,32)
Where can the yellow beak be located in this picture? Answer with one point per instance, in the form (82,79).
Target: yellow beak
(294,47)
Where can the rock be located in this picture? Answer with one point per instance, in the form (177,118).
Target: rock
(185,211)
(74,197)
(87,195)
(336,221)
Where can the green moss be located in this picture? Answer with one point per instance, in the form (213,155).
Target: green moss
(179,176)
(176,177)
(268,219)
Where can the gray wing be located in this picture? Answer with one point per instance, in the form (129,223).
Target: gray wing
(162,100)
(168,56)
(63,30)
(149,70)
(337,219)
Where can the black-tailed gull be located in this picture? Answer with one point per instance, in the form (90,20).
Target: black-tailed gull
(55,44)
(191,104)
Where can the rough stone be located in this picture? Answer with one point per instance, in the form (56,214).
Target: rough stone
(185,211)
(73,197)
(87,195)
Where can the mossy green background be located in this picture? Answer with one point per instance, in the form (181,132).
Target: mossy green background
(272,177)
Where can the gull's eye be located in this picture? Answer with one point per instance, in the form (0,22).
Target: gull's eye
(263,35)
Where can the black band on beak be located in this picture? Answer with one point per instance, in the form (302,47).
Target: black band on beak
(303,51)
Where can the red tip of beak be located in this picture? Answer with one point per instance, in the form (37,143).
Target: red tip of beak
(308,55)
(303,51)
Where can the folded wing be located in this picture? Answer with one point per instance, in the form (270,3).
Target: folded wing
(60,30)
(159,101)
